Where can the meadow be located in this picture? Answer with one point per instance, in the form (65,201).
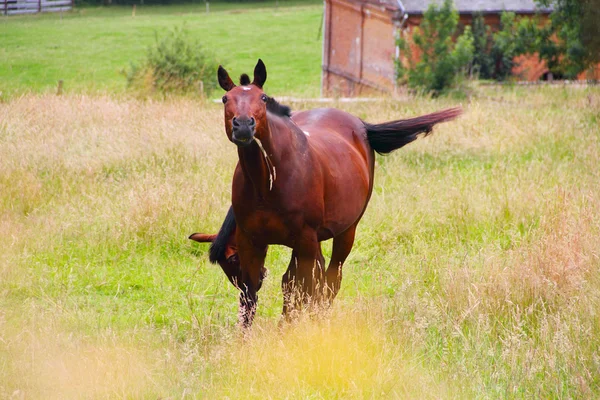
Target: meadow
(90,48)
(475,272)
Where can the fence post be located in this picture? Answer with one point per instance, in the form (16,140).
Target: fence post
(39,6)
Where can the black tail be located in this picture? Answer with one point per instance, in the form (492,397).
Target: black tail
(389,136)
(218,246)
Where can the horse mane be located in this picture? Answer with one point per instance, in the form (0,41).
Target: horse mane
(273,106)
(244,80)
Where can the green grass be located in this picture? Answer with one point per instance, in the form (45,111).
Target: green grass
(474,273)
(89,47)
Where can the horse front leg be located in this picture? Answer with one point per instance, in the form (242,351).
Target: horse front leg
(252,260)
(302,283)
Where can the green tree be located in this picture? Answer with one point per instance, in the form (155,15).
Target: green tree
(483,64)
(505,48)
(442,61)
(571,43)
(495,53)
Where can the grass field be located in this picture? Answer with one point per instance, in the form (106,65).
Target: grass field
(475,273)
(89,47)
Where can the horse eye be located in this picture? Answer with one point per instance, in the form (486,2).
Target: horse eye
(224,99)
(264,98)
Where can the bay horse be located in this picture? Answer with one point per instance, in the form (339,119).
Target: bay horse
(301,178)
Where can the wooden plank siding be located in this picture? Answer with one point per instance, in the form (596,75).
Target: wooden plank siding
(358,49)
(17,7)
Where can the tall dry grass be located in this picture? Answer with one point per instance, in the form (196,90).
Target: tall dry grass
(474,273)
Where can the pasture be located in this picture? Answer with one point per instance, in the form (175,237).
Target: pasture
(475,272)
(90,47)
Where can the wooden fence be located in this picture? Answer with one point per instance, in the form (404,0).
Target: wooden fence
(12,7)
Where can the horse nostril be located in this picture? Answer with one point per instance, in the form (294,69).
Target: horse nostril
(252,121)
(235,122)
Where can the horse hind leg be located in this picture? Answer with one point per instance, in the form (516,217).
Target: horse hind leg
(342,245)
(288,287)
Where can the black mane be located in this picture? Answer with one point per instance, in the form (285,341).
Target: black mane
(273,105)
(278,109)
(244,80)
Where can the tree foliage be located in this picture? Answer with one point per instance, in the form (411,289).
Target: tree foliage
(482,44)
(442,61)
(495,52)
(571,42)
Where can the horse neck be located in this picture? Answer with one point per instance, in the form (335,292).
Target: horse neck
(261,166)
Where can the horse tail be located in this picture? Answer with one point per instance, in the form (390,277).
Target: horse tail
(203,237)
(219,241)
(389,136)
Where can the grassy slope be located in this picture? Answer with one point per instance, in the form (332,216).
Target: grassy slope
(474,274)
(89,47)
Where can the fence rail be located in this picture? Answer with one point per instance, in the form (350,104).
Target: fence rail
(14,7)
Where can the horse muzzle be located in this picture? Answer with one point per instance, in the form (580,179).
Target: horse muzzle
(243,130)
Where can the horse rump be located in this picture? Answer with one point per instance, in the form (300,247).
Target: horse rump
(389,136)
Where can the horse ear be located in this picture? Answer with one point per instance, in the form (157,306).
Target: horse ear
(224,80)
(260,74)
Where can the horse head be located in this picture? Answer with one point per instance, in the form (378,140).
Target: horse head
(245,105)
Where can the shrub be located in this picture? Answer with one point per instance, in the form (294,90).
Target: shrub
(174,64)
(443,62)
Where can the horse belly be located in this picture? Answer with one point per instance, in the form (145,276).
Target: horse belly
(348,191)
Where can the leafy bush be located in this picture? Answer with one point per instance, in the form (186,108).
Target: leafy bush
(175,64)
(442,62)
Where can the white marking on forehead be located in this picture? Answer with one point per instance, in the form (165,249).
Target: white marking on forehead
(246,88)
(306,133)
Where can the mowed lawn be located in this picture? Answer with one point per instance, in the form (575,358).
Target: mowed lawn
(89,48)
(475,273)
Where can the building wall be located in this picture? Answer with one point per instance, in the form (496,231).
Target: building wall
(359,49)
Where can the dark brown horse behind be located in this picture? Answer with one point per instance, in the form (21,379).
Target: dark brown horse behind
(302,178)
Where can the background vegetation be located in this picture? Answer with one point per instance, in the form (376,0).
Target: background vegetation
(443,58)
(91,48)
(174,64)
(568,43)
(575,24)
